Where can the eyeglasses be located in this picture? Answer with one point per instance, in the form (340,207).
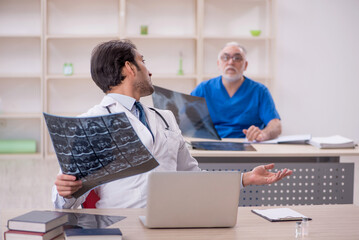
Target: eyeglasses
(235,57)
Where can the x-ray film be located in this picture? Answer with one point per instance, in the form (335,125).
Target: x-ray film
(191,112)
(222,146)
(98,149)
(88,221)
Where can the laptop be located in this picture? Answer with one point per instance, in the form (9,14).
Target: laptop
(192,199)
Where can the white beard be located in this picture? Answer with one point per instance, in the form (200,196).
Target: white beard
(231,79)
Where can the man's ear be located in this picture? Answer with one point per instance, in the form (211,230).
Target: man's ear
(245,65)
(129,68)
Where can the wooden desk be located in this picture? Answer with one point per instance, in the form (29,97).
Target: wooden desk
(276,150)
(329,222)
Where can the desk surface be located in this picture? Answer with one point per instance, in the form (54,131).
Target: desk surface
(329,222)
(276,150)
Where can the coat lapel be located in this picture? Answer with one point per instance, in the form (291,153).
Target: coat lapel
(151,120)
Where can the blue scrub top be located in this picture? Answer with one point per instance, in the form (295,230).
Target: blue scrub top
(252,104)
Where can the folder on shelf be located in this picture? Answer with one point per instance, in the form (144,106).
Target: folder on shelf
(17,146)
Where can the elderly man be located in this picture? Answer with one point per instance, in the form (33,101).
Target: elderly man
(120,71)
(239,107)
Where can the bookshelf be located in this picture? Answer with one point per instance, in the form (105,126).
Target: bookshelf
(21,75)
(38,36)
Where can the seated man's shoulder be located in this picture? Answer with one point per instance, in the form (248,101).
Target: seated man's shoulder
(205,86)
(212,81)
(257,85)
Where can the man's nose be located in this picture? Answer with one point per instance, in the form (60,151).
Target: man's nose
(230,60)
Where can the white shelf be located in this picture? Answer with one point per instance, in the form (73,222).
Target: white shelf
(21,95)
(161,36)
(20,115)
(67,95)
(169,17)
(38,36)
(21,36)
(19,76)
(20,18)
(173,76)
(20,56)
(239,17)
(237,38)
(82,36)
(18,156)
(75,76)
(77,51)
(82,17)
(168,62)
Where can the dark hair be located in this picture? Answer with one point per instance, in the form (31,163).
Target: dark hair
(107,61)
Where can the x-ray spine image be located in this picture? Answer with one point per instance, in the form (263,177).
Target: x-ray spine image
(98,149)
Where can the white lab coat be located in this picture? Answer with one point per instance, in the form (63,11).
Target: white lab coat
(169,150)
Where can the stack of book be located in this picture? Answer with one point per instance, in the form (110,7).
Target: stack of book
(36,225)
(335,141)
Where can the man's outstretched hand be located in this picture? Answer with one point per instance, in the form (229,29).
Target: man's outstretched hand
(261,176)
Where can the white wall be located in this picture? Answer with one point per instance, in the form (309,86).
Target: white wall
(316,87)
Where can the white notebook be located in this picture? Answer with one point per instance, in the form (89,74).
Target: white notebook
(335,141)
(290,139)
(279,214)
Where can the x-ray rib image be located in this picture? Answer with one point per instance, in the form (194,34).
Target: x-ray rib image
(98,149)
(190,112)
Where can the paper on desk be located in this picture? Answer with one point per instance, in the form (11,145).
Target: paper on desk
(290,139)
(279,214)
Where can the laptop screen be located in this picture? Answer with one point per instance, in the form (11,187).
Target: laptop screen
(192,199)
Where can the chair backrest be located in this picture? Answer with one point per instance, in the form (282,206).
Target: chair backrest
(91,200)
(310,183)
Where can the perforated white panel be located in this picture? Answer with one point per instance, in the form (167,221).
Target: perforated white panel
(310,183)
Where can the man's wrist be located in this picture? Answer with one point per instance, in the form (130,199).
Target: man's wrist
(245,179)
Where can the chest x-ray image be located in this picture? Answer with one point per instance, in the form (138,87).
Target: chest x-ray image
(190,112)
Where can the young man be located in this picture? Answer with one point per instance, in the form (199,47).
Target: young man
(120,71)
(239,107)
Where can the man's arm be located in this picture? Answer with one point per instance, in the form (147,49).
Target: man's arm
(261,176)
(271,131)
